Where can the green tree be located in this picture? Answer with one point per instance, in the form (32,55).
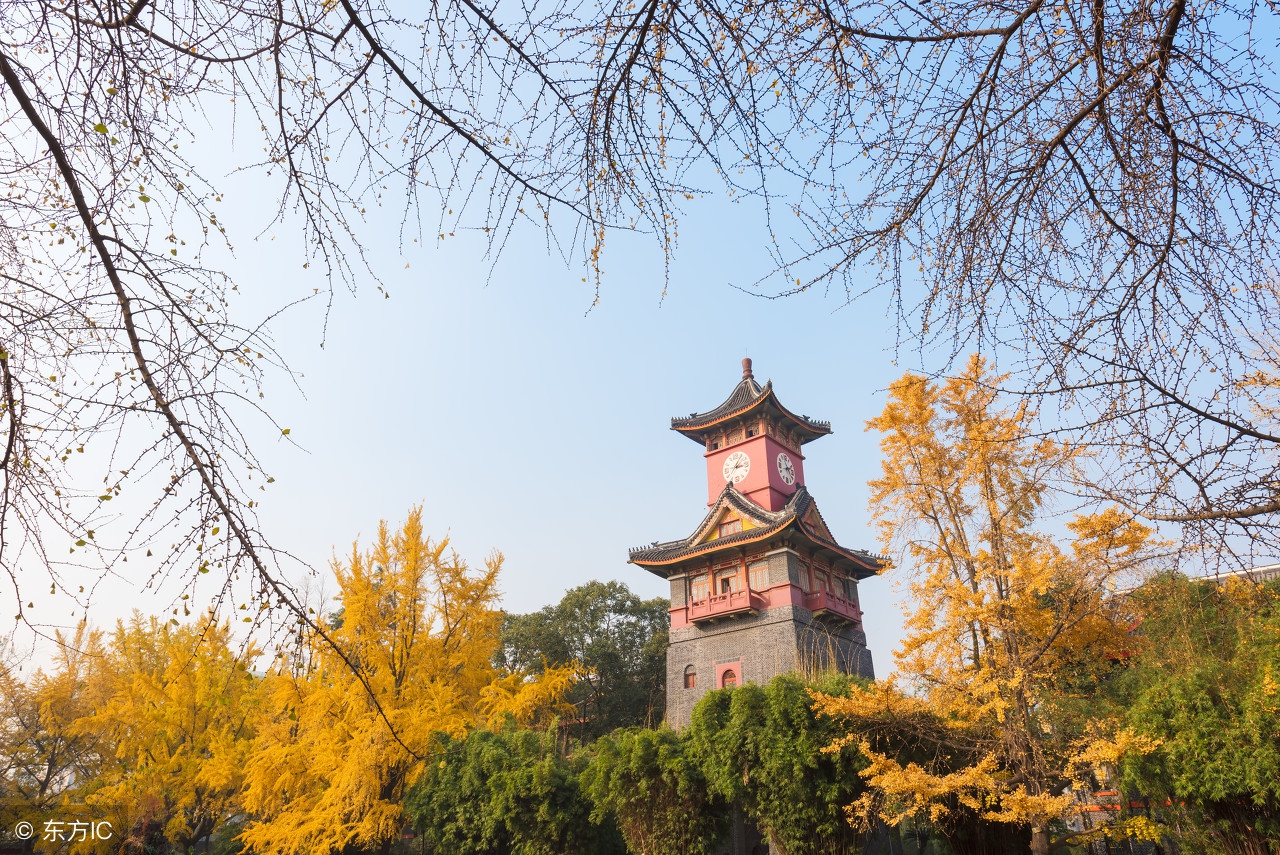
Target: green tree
(619,640)
(762,748)
(1206,685)
(507,793)
(655,791)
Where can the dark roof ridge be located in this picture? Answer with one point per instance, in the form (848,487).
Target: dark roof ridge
(872,556)
(746,396)
(770,522)
(735,499)
(740,501)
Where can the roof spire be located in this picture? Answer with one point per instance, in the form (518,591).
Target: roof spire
(746,368)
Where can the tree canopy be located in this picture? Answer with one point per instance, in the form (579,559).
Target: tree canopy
(167,730)
(173,708)
(510,791)
(648,782)
(767,750)
(44,754)
(620,642)
(1005,626)
(353,719)
(1203,692)
(146,728)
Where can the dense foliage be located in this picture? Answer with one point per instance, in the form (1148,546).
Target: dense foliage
(354,716)
(763,749)
(147,729)
(511,792)
(172,709)
(419,706)
(1003,621)
(163,729)
(620,642)
(753,753)
(1206,690)
(41,746)
(649,783)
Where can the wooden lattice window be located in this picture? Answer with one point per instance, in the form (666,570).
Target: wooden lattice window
(729,527)
(699,587)
(758,575)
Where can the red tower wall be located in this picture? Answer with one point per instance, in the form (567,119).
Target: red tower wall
(763,484)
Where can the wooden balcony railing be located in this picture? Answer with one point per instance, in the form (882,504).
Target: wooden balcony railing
(723,605)
(828,603)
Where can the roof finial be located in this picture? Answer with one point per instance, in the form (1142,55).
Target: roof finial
(746,368)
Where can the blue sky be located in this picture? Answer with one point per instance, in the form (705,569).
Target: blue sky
(520,416)
(525,420)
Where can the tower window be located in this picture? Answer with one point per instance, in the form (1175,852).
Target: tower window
(699,587)
(757,574)
(726,581)
(730,527)
(729,679)
(690,677)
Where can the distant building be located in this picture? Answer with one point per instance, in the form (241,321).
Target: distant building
(761,587)
(1265,573)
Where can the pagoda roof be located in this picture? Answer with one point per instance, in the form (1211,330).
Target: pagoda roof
(747,397)
(800,514)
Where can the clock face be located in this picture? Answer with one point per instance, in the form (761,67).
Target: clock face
(786,469)
(736,467)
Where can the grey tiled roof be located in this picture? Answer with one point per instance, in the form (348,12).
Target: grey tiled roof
(768,523)
(746,396)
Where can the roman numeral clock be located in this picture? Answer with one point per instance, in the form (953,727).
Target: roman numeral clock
(761,587)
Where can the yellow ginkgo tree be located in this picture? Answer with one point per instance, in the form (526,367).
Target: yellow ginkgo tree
(170,708)
(45,758)
(1009,631)
(358,708)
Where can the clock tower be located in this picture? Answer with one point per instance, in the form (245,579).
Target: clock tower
(760,587)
